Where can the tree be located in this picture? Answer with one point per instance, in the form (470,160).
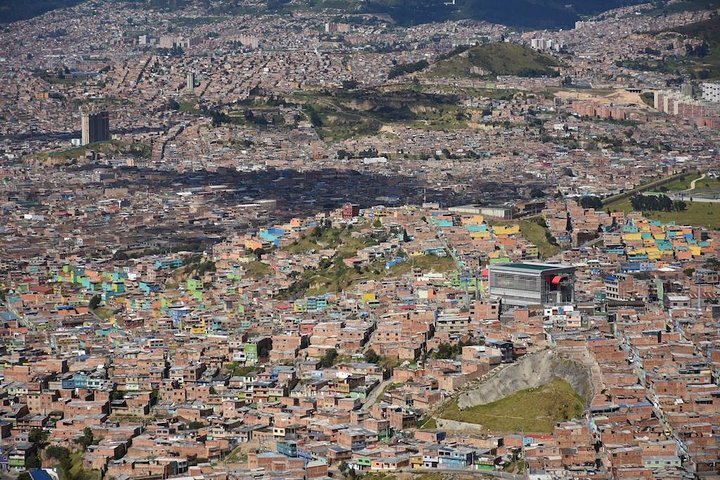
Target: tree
(371,356)
(313,116)
(537,193)
(94,302)
(154,394)
(445,351)
(87,438)
(38,437)
(33,461)
(120,255)
(346,471)
(328,360)
(57,452)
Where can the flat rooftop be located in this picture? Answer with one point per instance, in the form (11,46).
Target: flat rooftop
(536,267)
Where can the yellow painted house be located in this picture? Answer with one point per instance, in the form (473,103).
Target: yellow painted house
(506,230)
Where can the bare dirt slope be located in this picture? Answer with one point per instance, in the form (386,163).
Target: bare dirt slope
(531,371)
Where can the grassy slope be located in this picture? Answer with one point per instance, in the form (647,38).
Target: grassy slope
(498,59)
(257,270)
(708,66)
(537,234)
(135,149)
(349,114)
(341,239)
(336,276)
(682,183)
(532,410)
(426,263)
(697,214)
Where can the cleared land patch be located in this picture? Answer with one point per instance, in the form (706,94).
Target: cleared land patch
(535,409)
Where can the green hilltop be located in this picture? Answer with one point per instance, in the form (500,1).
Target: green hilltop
(497,59)
(535,410)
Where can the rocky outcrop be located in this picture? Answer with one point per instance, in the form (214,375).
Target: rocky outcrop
(531,371)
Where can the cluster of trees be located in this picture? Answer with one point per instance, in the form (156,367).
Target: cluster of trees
(350,84)
(173,104)
(174,51)
(369,152)
(385,361)
(530,72)
(657,203)
(405,68)
(313,115)
(449,351)
(218,117)
(260,118)
(591,201)
(68,463)
(199,268)
(699,51)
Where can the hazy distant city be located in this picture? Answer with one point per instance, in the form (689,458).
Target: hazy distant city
(359,239)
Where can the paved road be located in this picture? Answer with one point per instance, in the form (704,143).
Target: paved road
(474,473)
(642,188)
(688,194)
(695,199)
(692,184)
(375,394)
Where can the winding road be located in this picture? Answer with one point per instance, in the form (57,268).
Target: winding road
(692,184)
